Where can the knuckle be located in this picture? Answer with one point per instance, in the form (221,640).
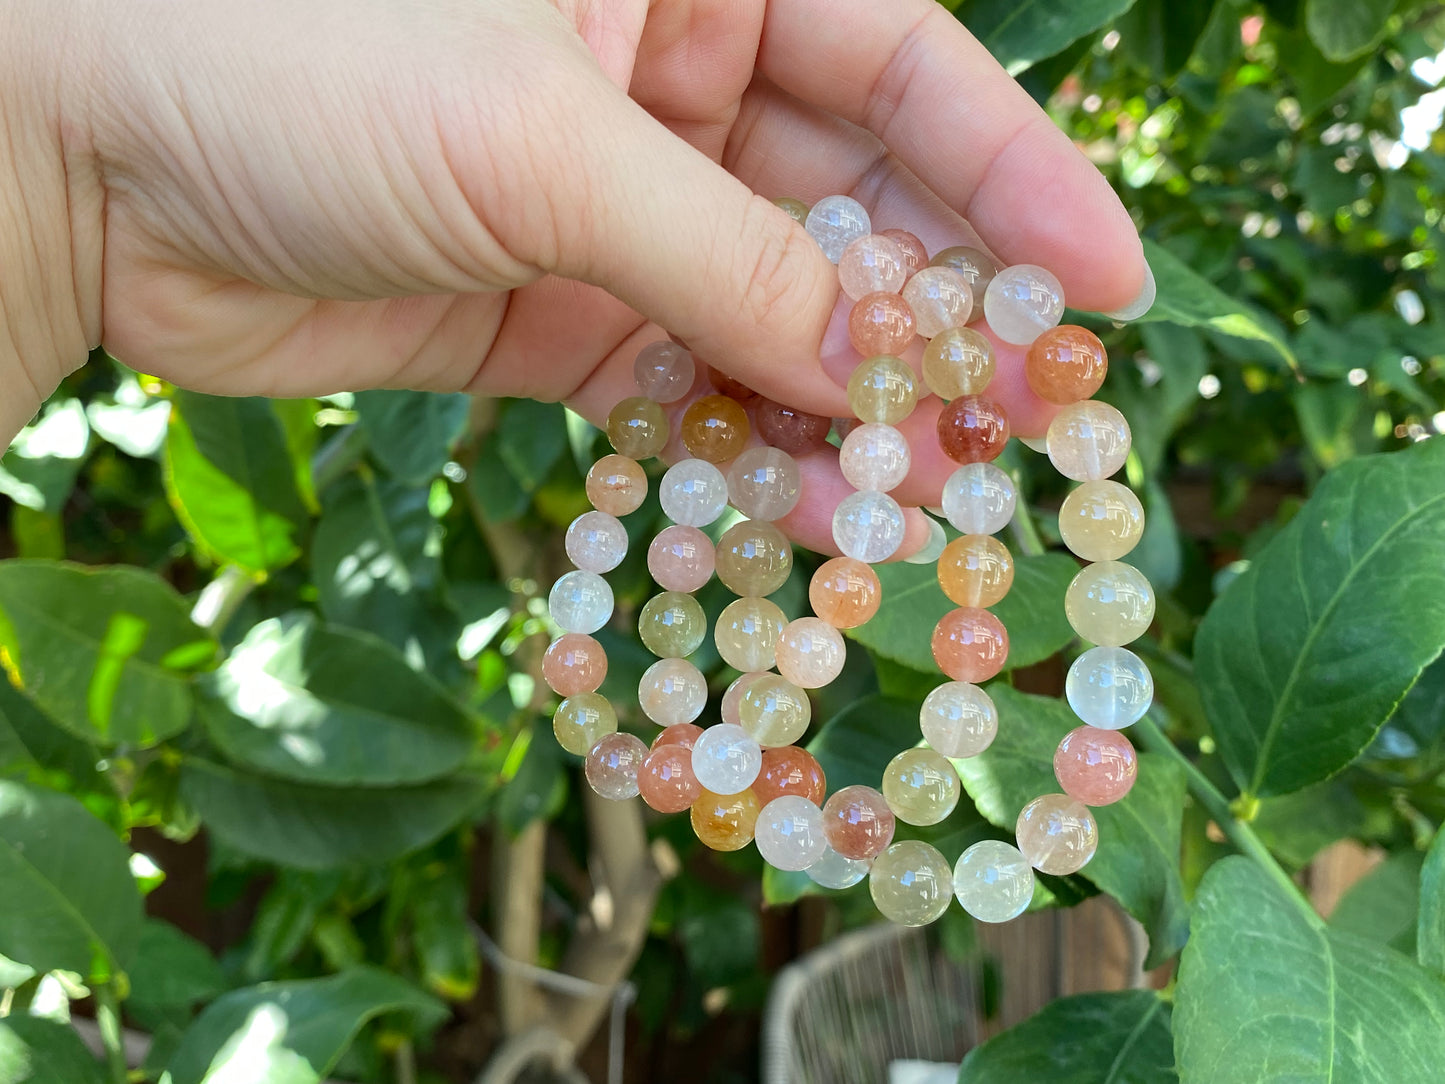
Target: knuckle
(781,266)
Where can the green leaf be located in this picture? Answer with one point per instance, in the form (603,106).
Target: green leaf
(1268,993)
(29,740)
(1019,32)
(108,653)
(1113,1038)
(441,932)
(856,744)
(70,901)
(231,479)
(1297,826)
(1344,29)
(539,787)
(172,970)
(1308,651)
(531,438)
(319,1019)
(34,1050)
(411,433)
(332,706)
(1430,930)
(39,469)
(1384,905)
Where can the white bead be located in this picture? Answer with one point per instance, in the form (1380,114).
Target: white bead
(835,222)
(868,526)
(672,691)
(874,456)
(958,719)
(1022,302)
(1109,687)
(725,760)
(979,498)
(940,298)
(693,492)
(596,542)
(664,371)
(764,483)
(581,602)
(789,833)
(993,881)
(835,871)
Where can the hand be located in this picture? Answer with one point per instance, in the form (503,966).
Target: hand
(498,195)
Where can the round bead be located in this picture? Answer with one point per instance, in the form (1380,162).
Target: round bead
(915,255)
(921,786)
(725,760)
(868,526)
(715,428)
(693,492)
(958,361)
(1022,302)
(790,833)
(616,485)
(582,720)
(835,222)
(732,389)
(858,822)
(774,711)
(789,430)
(1057,834)
(683,734)
(940,298)
(970,644)
(637,428)
(810,652)
(613,765)
(1109,687)
(880,324)
(973,264)
(958,719)
(1110,603)
(1066,364)
(835,871)
(764,483)
(580,602)
(753,558)
(725,822)
(596,542)
(1101,521)
(795,209)
(1088,441)
(732,699)
(1096,767)
(874,456)
(975,570)
(871,265)
(882,389)
(664,371)
(672,624)
(681,558)
(911,883)
(789,769)
(979,498)
(672,691)
(845,592)
(972,429)
(666,781)
(574,663)
(747,633)
(993,881)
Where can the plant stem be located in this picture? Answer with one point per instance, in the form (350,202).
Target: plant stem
(405,1061)
(1025,533)
(107,1017)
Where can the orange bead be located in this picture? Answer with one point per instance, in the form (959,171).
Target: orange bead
(975,570)
(715,428)
(880,323)
(683,734)
(858,822)
(725,822)
(666,780)
(972,429)
(616,485)
(574,663)
(970,644)
(789,769)
(733,389)
(845,593)
(1066,364)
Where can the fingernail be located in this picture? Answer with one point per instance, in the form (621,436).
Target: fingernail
(1141,304)
(932,549)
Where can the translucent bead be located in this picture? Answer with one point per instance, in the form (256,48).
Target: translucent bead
(1101,521)
(664,371)
(732,699)
(1022,302)
(979,498)
(868,526)
(871,265)
(970,644)
(858,822)
(790,833)
(747,633)
(764,483)
(795,209)
(774,711)
(753,558)
(672,691)
(730,388)
(973,264)
(958,361)
(875,456)
(972,429)
(958,719)
(1110,603)
(788,769)
(835,871)
(596,542)
(683,734)
(882,389)
(681,558)
(993,881)
(1065,364)
(920,786)
(672,624)
(637,428)
(880,324)
(580,602)
(915,255)
(616,485)
(1109,687)
(1096,767)
(715,428)
(940,298)
(666,781)
(789,430)
(582,720)
(613,765)
(1088,441)
(810,652)
(693,492)
(725,760)
(725,822)
(845,592)
(574,663)
(911,883)
(1057,834)
(975,570)
(835,222)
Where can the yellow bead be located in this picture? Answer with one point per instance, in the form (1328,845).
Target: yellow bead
(958,362)
(637,428)
(672,624)
(911,883)
(581,720)
(774,711)
(1110,603)
(975,570)
(725,822)
(747,633)
(920,786)
(882,389)
(753,558)
(1101,521)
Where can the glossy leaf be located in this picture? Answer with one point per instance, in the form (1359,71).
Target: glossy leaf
(1384,905)
(30,741)
(412,433)
(1430,928)
(1019,32)
(1344,29)
(39,469)
(34,1050)
(531,438)
(856,744)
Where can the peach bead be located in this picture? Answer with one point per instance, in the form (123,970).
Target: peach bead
(616,485)
(637,428)
(810,652)
(681,558)
(789,769)
(725,822)
(684,734)
(915,255)
(970,644)
(1066,364)
(972,429)
(880,324)
(1096,767)
(845,593)
(574,663)
(715,428)
(975,570)
(858,822)
(870,265)
(666,780)
(1057,834)
(789,430)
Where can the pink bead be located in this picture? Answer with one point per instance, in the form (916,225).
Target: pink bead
(613,764)
(681,558)
(915,255)
(858,822)
(666,781)
(872,264)
(1096,767)
(575,663)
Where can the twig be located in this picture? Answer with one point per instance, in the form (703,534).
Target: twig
(107,1017)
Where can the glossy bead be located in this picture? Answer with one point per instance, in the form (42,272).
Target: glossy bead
(764,483)
(580,602)
(975,570)
(789,430)
(810,652)
(1022,302)
(616,485)
(664,371)
(582,720)
(574,663)
(693,492)
(666,781)
(753,558)
(637,428)
(858,822)
(958,361)
(979,498)
(795,209)
(845,592)
(774,711)
(973,264)
(915,254)
(958,719)
(940,298)
(730,388)
(972,429)
(835,222)
(715,428)
(1066,364)
(672,624)
(921,786)
(993,881)
(725,822)
(789,833)
(970,644)
(1101,521)
(683,734)
(1110,603)
(1096,767)
(725,760)
(747,633)
(874,456)
(596,542)
(732,699)
(880,324)
(835,871)
(681,558)
(911,883)
(1109,687)
(613,765)
(882,389)
(1088,441)
(1057,834)
(672,691)
(790,769)
(871,265)
(868,526)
